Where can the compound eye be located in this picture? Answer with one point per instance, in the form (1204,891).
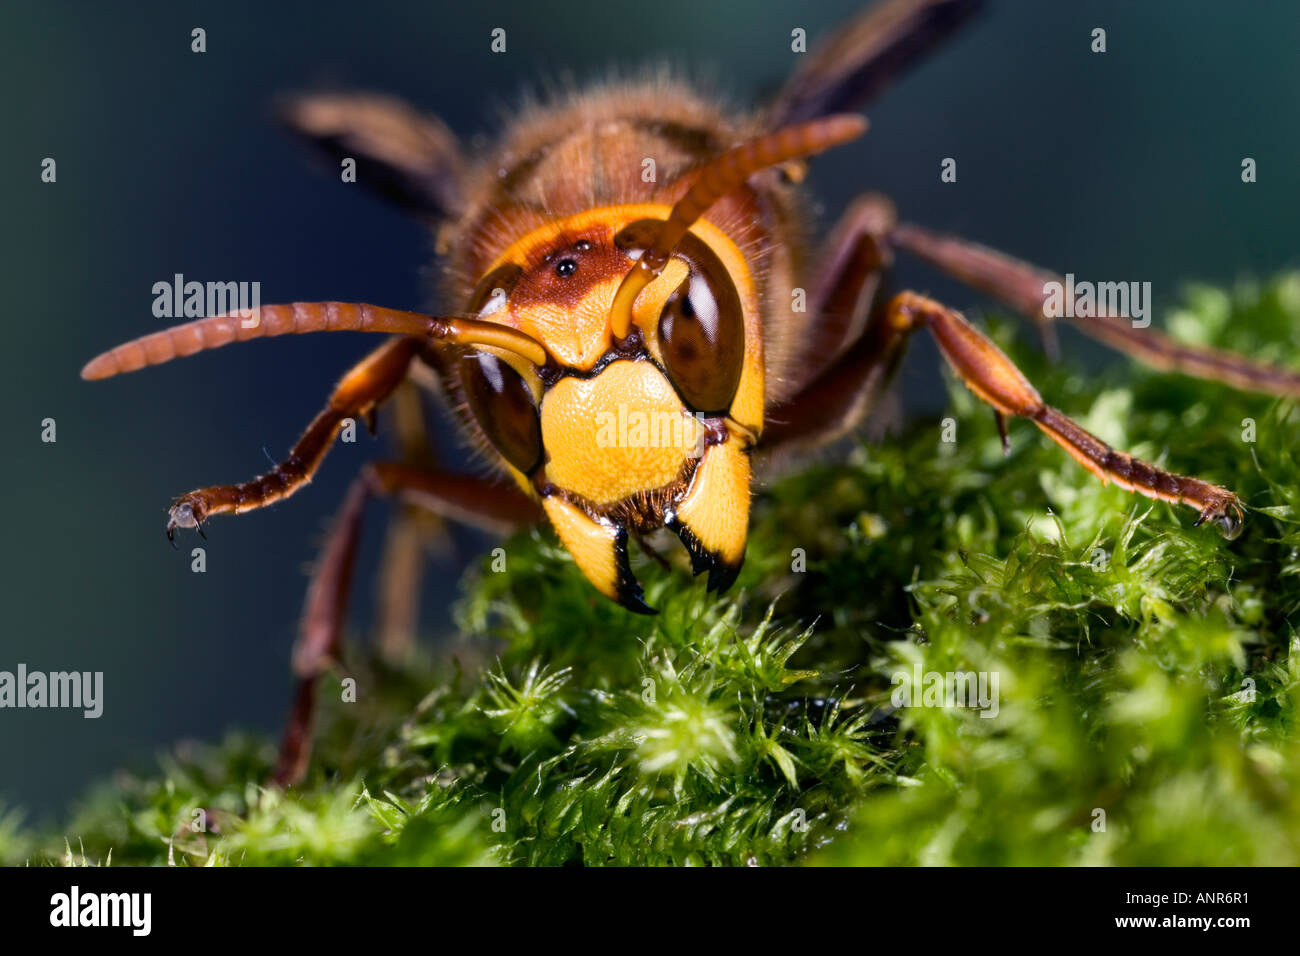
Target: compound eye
(702,338)
(504,408)
(702,327)
(493,290)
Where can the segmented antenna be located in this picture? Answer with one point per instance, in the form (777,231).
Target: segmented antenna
(300,317)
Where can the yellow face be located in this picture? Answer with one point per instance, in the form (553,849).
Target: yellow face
(613,435)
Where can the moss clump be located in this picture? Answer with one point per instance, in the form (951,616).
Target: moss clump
(1148,673)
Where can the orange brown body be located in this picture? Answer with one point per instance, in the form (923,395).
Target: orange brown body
(636,252)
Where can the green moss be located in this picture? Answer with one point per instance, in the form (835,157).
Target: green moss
(760,729)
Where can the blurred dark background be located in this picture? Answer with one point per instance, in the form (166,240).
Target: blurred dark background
(1122,166)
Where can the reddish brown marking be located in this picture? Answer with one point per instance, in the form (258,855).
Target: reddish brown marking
(542,285)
